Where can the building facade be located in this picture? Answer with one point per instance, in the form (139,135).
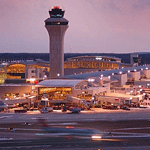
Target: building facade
(85,64)
(21,71)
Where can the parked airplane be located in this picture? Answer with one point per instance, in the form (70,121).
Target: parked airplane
(71,131)
(3,105)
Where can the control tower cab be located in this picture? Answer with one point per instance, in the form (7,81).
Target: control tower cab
(56,26)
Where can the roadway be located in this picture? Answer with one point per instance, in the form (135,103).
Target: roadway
(58,116)
(121,130)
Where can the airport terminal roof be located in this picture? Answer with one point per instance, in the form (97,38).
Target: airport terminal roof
(106,73)
(59,83)
(86,56)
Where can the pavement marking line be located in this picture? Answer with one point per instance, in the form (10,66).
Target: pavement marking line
(133,128)
(25,129)
(34,146)
(3,117)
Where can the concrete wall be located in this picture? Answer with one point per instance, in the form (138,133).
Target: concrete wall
(145,73)
(30,74)
(122,78)
(56,35)
(134,75)
(37,73)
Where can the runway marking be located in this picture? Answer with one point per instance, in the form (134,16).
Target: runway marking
(65,123)
(133,128)
(3,117)
(15,142)
(36,146)
(5,139)
(25,129)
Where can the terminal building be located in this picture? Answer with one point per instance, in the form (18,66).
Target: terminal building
(68,91)
(27,71)
(76,88)
(79,80)
(84,64)
(23,71)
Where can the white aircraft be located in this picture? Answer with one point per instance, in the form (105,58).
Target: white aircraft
(3,105)
(70,131)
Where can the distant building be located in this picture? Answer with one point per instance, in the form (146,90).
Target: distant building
(23,71)
(27,71)
(134,59)
(84,64)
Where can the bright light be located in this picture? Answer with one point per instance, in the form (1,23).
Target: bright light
(141,90)
(140,86)
(128,71)
(45,76)
(70,127)
(112,74)
(120,72)
(91,80)
(141,68)
(96,137)
(32,79)
(148,84)
(146,68)
(130,97)
(135,70)
(101,75)
(131,91)
(109,77)
(144,93)
(6,99)
(58,74)
(98,58)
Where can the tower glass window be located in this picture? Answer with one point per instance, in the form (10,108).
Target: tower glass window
(56,12)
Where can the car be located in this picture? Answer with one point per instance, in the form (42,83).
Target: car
(46,110)
(125,108)
(3,106)
(75,109)
(49,109)
(110,107)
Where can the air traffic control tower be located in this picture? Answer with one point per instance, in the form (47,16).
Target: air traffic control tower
(56,26)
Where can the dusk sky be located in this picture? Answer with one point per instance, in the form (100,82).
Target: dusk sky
(103,26)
